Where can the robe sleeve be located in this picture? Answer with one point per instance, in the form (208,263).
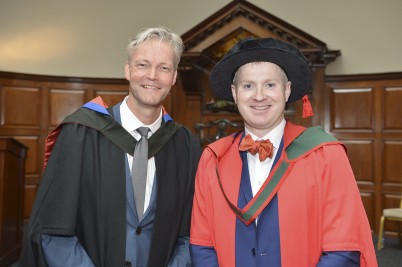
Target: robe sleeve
(345,223)
(339,259)
(55,194)
(194,152)
(203,256)
(202,251)
(64,251)
(181,254)
(200,233)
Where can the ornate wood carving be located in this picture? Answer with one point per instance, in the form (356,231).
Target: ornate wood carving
(206,43)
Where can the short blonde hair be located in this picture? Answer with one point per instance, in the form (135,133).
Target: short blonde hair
(160,33)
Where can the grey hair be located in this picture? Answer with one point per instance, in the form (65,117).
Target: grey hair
(283,73)
(160,33)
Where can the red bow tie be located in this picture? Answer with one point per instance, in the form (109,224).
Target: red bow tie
(264,148)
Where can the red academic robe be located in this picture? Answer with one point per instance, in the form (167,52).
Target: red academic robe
(319,205)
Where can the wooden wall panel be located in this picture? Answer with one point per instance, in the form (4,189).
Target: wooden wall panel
(369,205)
(32,105)
(352,109)
(392,171)
(361,157)
(63,102)
(21,107)
(110,97)
(364,112)
(392,108)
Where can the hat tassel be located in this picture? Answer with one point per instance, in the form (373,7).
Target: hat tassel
(307,109)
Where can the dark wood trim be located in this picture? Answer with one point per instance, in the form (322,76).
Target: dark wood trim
(363,77)
(50,78)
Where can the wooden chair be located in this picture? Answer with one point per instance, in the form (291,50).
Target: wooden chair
(390,214)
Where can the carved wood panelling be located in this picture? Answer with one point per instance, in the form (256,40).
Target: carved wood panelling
(244,15)
(32,105)
(346,100)
(374,141)
(206,43)
(361,156)
(368,202)
(20,107)
(364,112)
(392,108)
(361,110)
(63,102)
(392,171)
(111,97)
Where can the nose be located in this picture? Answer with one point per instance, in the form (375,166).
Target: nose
(259,94)
(152,74)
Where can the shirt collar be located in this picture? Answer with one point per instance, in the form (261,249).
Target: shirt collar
(275,135)
(130,122)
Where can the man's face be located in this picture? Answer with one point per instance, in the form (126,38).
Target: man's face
(261,92)
(151,74)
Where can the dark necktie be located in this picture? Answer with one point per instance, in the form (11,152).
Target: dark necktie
(263,148)
(139,170)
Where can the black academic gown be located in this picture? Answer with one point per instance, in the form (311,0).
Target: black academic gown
(82,193)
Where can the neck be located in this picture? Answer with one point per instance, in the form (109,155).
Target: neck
(147,115)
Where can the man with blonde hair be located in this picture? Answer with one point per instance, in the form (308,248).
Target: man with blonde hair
(98,203)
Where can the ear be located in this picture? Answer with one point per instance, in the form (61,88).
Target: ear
(127,71)
(288,90)
(234,92)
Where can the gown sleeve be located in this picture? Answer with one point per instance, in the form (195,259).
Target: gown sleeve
(339,259)
(64,252)
(203,256)
(181,254)
(201,248)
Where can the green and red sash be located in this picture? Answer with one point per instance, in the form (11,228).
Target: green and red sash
(311,139)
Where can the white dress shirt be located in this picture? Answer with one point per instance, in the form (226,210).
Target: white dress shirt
(130,122)
(259,170)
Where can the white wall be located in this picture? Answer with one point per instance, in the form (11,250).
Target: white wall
(87,38)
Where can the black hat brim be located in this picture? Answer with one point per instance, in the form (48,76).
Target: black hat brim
(295,67)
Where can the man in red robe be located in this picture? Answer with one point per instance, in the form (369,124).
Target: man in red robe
(275,194)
